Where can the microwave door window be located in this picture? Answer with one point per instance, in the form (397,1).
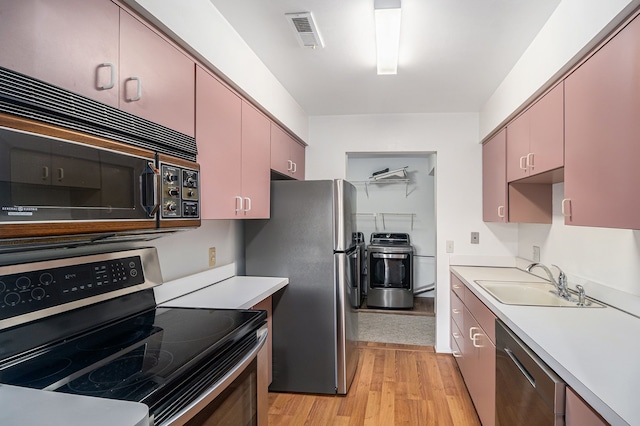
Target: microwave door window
(52,180)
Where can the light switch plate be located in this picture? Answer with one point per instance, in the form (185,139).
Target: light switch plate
(449,246)
(536,254)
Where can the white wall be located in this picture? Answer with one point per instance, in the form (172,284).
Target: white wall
(187,252)
(568,35)
(454,139)
(200,28)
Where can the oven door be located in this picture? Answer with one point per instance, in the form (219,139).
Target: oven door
(231,401)
(69,183)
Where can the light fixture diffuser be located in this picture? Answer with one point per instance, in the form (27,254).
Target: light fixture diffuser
(387,19)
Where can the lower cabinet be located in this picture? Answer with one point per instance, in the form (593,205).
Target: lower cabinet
(473,342)
(579,413)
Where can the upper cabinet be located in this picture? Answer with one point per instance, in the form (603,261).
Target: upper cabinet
(535,139)
(494,182)
(73,44)
(233,152)
(287,155)
(602,110)
(96,49)
(157,81)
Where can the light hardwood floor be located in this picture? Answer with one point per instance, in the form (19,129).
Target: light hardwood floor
(394,385)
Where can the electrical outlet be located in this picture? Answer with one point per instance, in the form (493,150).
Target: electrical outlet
(212,256)
(536,254)
(449,246)
(475,238)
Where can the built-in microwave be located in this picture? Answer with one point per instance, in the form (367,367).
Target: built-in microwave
(56,181)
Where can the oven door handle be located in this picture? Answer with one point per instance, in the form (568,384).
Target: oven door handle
(149,189)
(389,256)
(216,389)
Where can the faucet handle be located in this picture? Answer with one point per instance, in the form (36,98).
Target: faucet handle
(581,295)
(562,277)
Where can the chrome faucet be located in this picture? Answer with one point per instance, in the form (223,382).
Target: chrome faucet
(561,284)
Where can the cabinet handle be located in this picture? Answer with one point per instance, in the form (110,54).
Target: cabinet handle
(530,158)
(45,173)
(455,311)
(501,212)
(566,212)
(238,203)
(290,168)
(456,354)
(60,174)
(456,286)
(138,95)
(523,162)
(248,209)
(295,167)
(472,332)
(473,339)
(112,75)
(456,335)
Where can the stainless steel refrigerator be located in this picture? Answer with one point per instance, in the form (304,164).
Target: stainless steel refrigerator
(309,238)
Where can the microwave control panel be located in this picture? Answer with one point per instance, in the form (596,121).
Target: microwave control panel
(180,192)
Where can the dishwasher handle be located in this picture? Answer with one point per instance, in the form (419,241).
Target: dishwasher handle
(520,367)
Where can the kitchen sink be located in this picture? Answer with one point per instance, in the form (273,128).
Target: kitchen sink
(529,294)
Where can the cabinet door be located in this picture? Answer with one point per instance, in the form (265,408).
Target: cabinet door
(546,148)
(297,157)
(494,181)
(602,106)
(256,175)
(156,79)
(63,42)
(518,147)
(579,413)
(280,160)
(218,135)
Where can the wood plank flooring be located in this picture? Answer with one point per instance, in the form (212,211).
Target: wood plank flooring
(394,385)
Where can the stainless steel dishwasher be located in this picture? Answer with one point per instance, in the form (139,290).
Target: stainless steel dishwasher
(528,392)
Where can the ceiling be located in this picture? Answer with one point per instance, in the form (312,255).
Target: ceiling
(453,53)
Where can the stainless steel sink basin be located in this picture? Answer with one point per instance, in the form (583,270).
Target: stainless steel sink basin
(529,294)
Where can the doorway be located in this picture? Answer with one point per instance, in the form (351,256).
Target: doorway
(401,201)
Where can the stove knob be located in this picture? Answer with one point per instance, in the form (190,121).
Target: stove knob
(173,192)
(12,299)
(171,177)
(23,283)
(38,293)
(171,207)
(190,193)
(191,181)
(46,278)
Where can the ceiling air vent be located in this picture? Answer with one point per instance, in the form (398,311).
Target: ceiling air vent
(305,29)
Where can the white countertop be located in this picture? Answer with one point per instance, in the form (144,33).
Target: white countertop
(233,293)
(24,406)
(594,350)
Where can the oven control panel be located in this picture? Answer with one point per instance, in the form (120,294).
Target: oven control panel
(180,191)
(31,291)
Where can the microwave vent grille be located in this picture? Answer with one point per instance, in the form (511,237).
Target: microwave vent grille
(30,98)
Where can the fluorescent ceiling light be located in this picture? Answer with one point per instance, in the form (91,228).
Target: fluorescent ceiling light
(387,17)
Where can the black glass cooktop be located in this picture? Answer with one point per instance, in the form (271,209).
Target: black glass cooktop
(136,358)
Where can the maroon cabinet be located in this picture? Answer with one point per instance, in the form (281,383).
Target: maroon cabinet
(157,81)
(535,139)
(579,413)
(98,50)
(287,155)
(494,182)
(233,152)
(73,44)
(602,110)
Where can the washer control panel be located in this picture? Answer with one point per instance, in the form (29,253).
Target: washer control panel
(34,290)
